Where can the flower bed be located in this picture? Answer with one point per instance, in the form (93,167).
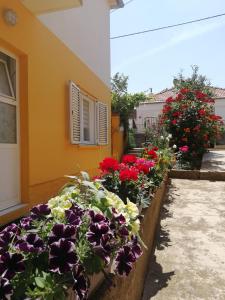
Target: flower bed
(131,287)
(89,227)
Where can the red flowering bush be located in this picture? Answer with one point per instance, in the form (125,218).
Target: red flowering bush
(109,164)
(129,159)
(131,178)
(190,118)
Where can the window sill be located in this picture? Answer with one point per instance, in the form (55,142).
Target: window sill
(12,213)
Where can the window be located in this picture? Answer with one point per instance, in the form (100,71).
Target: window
(88,119)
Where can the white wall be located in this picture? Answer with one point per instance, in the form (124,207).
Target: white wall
(220,107)
(147,110)
(86,31)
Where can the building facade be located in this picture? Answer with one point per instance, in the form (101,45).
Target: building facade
(54,96)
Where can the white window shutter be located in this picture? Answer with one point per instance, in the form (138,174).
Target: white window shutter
(102,121)
(75,104)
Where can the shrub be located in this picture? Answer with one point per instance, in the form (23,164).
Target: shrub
(190,118)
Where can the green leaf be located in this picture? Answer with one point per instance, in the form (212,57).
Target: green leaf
(85,175)
(40,282)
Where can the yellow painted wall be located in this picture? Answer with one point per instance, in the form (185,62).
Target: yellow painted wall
(118,142)
(46,66)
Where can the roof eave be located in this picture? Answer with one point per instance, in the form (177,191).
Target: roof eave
(114,4)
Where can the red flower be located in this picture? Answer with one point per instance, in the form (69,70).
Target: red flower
(201,112)
(176,114)
(109,164)
(143,168)
(199,95)
(129,174)
(169,100)
(155,148)
(166,108)
(180,97)
(152,154)
(129,159)
(174,122)
(184,91)
(215,118)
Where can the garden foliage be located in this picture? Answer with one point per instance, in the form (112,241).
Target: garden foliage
(190,118)
(78,233)
(92,225)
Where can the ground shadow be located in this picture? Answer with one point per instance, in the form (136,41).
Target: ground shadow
(156,279)
(162,238)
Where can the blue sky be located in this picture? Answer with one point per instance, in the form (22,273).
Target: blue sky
(152,60)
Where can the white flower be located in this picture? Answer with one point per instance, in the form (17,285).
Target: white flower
(174,146)
(162,137)
(170,136)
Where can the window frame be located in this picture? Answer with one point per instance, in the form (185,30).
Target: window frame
(13,97)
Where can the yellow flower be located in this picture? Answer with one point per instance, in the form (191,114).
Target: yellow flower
(131,209)
(58,212)
(135,226)
(115,201)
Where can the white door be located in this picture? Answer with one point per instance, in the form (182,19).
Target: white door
(9,141)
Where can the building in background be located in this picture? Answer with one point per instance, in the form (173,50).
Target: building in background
(147,112)
(54,96)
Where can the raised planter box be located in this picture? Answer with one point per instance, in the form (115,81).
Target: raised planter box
(131,287)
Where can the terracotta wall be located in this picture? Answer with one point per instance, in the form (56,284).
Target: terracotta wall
(118,142)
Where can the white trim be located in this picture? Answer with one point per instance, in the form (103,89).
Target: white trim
(16,102)
(9,80)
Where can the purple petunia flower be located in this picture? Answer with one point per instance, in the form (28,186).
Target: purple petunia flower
(10,264)
(123,231)
(5,238)
(96,217)
(31,243)
(39,211)
(73,218)
(120,219)
(124,260)
(62,256)
(6,290)
(12,228)
(96,232)
(60,231)
(81,282)
(135,247)
(26,223)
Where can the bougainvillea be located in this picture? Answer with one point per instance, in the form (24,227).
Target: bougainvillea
(76,234)
(190,118)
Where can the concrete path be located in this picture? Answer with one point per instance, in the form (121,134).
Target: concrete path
(189,261)
(214,161)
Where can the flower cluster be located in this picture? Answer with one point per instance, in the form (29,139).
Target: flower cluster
(75,234)
(131,179)
(190,118)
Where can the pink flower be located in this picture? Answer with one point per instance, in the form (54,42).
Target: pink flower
(184,149)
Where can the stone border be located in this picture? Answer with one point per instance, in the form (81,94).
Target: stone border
(131,287)
(197,175)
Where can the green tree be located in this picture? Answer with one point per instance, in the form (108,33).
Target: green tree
(196,82)
(122,101)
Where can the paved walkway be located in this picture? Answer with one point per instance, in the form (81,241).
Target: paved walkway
(214,161)
(189,261)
